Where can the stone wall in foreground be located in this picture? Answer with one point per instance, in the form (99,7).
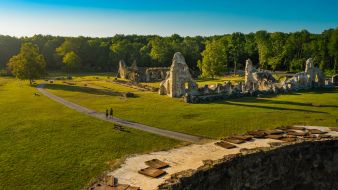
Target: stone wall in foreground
(306,165)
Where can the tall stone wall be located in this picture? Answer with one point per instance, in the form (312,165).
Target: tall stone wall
(179,81)
(307,165)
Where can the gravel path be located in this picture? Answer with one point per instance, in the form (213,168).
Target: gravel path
(102,116)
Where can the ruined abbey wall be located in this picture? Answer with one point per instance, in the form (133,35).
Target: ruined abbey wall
(306,165)
(141,74)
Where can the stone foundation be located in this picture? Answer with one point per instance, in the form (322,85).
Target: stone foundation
(306,165)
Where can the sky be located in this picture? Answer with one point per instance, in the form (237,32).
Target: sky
(103,18)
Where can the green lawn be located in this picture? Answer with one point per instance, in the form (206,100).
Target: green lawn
(215,119)
(44,145)
(202,82)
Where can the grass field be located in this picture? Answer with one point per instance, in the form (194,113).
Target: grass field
(217,119)
(202,82)
(44,145)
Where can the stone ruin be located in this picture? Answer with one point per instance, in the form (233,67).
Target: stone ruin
(311,77)
(334,80)
(179,83)
(257,79)
(129,73)
(141,74)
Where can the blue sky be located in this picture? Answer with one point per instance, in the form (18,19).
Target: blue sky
(163,17)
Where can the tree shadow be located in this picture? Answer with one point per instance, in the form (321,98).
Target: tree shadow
(322,91)
(84,89)
(272,108)
(267,101)
(259,100)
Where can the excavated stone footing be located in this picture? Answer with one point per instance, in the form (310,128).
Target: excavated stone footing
(305,165)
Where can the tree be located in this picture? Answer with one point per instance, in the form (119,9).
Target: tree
(237,45)
(250,48)
(276,57)
(333,49)
(162,51)
(262,40)
(71,60)
(191,49)
(9,46)
(28,64)
(276,51)
(214,58)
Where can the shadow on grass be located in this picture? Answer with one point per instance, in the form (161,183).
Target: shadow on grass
(270,107)
(82,89)
(323,91)
(239,101)
(267,101)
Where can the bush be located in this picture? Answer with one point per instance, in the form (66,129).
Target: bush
(5,72)
(329,73)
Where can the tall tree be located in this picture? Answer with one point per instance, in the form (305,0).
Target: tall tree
(276,58)
(251,50)
(9,46)
(263,44)
(237,47)
(333,49)
(162,51)
(191,49)
(28,64)
(214,58)
(71,60)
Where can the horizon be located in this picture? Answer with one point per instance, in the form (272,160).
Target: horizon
(76,36)
(105,18)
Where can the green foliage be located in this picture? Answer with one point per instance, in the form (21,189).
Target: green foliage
(5,72)
(333,49)
(9,46)
(237,49)
(47,46)
(276,51)
(29,63)
(162,50)
(215,58)
(71,60)
(263,45)
(126,50)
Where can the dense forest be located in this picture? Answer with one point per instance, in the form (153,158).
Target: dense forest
(212,55)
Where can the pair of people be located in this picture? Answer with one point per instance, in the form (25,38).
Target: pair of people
(109,113)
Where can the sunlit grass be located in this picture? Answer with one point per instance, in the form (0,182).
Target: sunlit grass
(44,145)
(214,119)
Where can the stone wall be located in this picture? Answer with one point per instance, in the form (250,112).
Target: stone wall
(334,80)
(179,81)
(141,74)
(306,165)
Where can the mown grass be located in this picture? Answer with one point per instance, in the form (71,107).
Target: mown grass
(208,81)
(44,145)
(216,119)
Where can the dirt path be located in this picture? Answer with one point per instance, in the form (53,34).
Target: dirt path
(93,113)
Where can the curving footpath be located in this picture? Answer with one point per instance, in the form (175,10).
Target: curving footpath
(98,115)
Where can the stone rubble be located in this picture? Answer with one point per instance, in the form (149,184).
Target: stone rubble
(186,161)
(179,83)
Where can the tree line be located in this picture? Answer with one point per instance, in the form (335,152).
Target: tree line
(213,55)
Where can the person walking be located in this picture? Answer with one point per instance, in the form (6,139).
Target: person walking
(111,113)
(106,113)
